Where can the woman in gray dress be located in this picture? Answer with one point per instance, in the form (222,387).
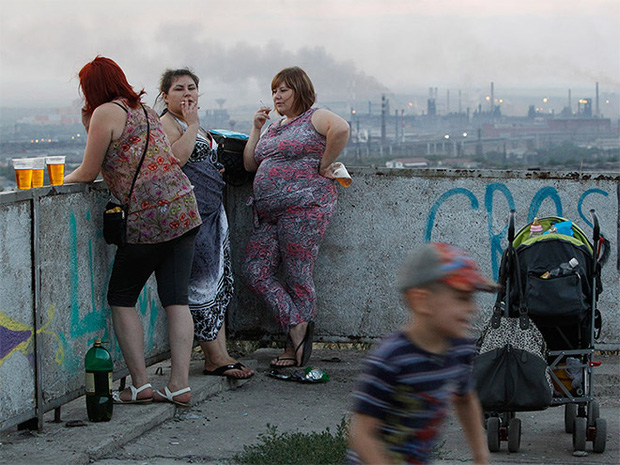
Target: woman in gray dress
(211,282)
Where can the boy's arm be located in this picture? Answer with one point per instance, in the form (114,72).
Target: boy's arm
(469,413)
(364,439)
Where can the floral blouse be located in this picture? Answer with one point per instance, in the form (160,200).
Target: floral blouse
(162,205)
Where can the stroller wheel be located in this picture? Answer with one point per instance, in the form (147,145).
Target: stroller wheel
(570,413)
(493,434)
(514,435)
(600,435)
(593,412)
(580,431)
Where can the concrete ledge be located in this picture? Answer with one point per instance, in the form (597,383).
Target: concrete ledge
(58,444)
(262,401)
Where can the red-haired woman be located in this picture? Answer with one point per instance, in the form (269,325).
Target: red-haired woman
(162,222)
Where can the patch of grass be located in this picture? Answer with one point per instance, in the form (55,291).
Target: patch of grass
(297,448)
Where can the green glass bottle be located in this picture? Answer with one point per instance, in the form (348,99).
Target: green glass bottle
(99,368)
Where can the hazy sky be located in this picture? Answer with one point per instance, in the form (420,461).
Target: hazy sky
(350,48)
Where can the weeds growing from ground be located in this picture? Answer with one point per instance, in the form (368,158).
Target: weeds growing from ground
(297,448)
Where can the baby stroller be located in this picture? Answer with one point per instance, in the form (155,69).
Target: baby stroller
(553,281)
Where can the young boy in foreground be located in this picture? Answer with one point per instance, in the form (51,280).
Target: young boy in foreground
(408,381)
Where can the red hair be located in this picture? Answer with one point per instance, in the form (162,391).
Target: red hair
(102,81)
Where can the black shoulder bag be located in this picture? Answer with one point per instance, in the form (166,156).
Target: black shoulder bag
(115,215)
(230,154)
(511,372)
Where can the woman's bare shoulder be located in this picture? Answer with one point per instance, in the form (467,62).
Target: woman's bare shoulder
(323,119)
(171,126)
(111,117)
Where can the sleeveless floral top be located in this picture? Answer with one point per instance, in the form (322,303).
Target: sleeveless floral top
(162,205)
(288,157)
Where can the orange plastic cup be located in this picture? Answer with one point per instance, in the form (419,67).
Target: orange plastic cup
(56,169)
(342,175)
(38,171)
(23,172)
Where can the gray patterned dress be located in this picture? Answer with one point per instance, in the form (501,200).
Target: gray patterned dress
(211,282)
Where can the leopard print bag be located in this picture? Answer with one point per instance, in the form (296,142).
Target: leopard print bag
(510,332)
(511,372)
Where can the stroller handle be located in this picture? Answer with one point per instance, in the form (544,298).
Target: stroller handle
(511,226)
(596,229)
(596,236)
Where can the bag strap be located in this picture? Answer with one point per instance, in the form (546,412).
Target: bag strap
(524,320)
(146,145)
(498,306)
(510,261)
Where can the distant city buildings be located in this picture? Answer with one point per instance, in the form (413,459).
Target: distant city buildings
(414,131)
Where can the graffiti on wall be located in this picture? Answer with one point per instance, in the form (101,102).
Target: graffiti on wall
(19,337)
(86,321)
(14,337)
(95,319)
(492,190)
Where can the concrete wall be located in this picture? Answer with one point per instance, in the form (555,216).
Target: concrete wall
(386,213)
(17,369)
(55,266)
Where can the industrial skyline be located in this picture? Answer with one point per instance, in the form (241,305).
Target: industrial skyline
(353,50)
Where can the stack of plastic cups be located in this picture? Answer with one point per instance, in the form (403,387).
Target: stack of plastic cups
(23,172)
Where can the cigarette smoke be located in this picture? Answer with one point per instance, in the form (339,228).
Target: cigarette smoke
(242,73)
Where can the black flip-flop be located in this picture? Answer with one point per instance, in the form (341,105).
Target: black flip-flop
(221,371)
(306,345)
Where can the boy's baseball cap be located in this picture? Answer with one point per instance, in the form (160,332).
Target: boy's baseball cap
(445,263)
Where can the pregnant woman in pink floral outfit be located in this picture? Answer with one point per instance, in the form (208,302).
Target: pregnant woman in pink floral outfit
(294,198)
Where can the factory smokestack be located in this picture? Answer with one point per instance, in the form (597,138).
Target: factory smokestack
(597,107)
(492,98)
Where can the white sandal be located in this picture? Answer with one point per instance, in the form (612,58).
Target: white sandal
(116,395)
(168,396)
